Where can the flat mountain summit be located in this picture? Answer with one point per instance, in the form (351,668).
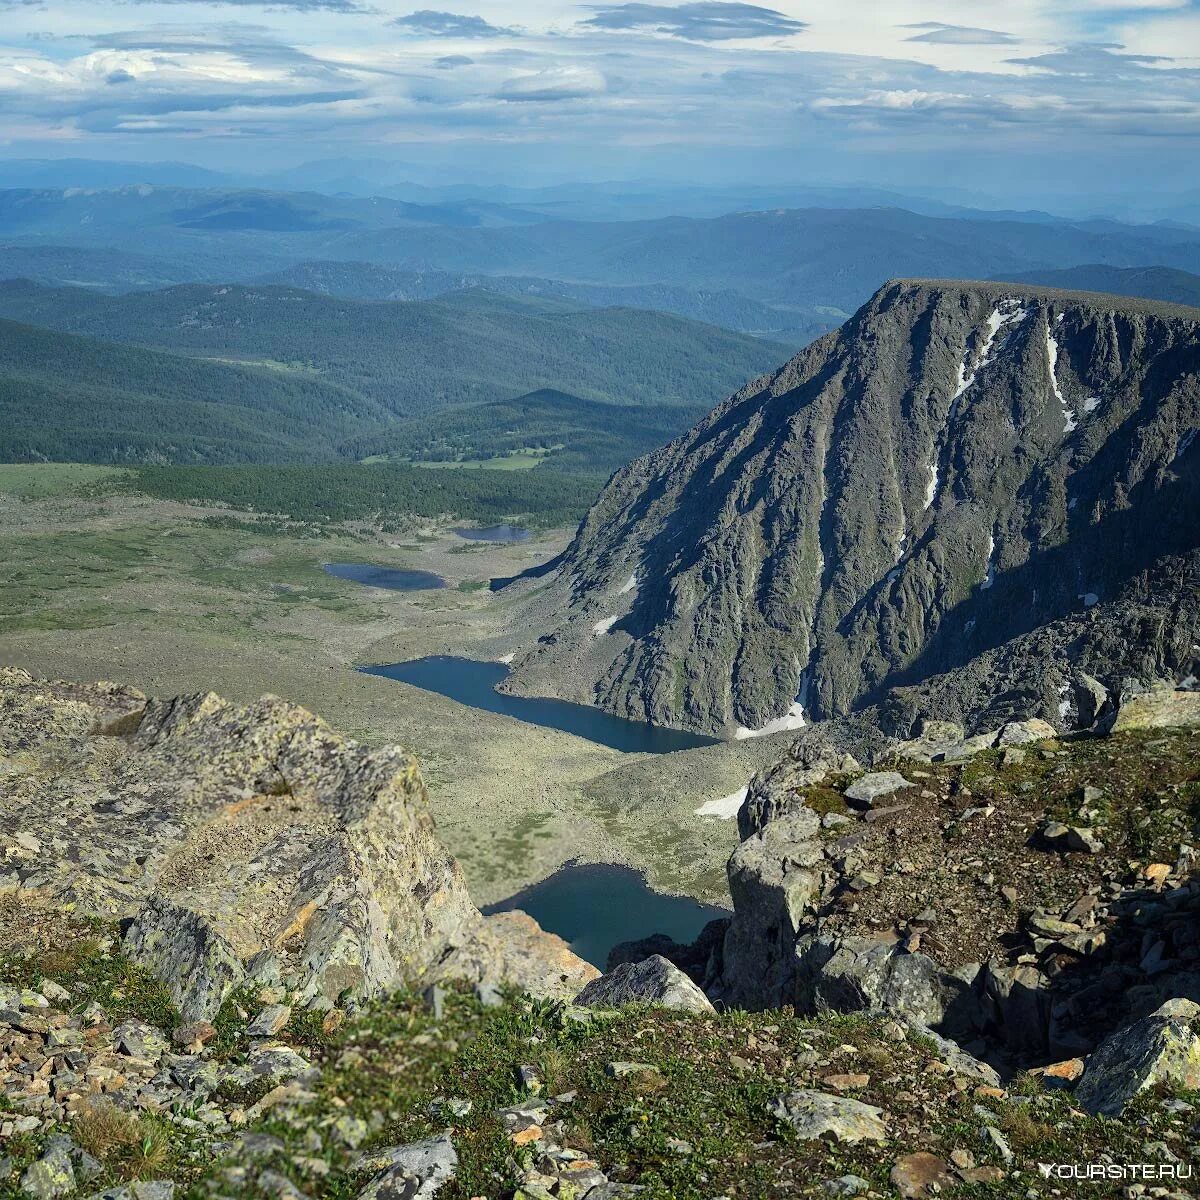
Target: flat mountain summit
(979,490)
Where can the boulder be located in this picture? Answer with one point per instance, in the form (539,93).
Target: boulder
(655,980)
(1160,1048)
(251,843)
(1077,838)
(774,793)
(856,974)
(957,1059)
(933,741)
(1160,708)
(818,1114)
(416,1171)
(1093,703)
(875,784)
(1019,733)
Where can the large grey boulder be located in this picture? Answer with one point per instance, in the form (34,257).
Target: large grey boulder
(817,1114)
(776,792)
(1161,1048)
(874,785)
(654,980)
(856,974)
(417,1171)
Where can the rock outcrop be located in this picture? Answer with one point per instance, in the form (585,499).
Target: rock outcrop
(1162,1048)
(652,981)
(982,492)
(1007,890)
(246,843)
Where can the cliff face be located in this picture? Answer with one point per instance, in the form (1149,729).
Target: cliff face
(958,467)
(245,843)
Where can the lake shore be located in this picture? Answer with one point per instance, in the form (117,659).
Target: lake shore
(176,598)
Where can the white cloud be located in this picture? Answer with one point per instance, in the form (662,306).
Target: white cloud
(553,83)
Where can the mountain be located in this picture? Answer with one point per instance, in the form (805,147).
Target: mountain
(802,260)
(1150,283)
(94,267)
(987,480)
(574,434)
(70,398)
(729,309)
(413,358)
(807,257)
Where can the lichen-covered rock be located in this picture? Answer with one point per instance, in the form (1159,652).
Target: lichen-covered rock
(1159,708)
(417,1171)
(52,1175)
(248,843)
(771,794)
(856,974)
(872,786)
(652,981)
(1160,1048)
(818,1114)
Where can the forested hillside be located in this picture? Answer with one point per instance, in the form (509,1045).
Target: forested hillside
(573,434)
(414,358)
(76,399)
(379,492)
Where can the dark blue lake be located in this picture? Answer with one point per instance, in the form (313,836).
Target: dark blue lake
(595,906)
(473,682)
(397,579)
(496,533)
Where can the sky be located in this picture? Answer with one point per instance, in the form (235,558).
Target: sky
(1021,100)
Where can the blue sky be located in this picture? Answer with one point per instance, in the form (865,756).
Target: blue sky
(1041,97)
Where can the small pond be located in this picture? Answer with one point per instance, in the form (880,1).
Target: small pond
(595,906)
(473,682)
(495,533)
(396,579)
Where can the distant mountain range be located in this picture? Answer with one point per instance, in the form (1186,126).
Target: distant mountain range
(724,307)
(1151,283)
(793,270)
(970,490)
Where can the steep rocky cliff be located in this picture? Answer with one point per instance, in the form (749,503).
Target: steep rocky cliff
(245,844)
(966,476)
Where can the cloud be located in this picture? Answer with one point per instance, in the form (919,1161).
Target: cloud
(120,75)
(450,61)
(554,83)
(1094,59)
(344,6)
(698,21)
(429,23)
(959,35)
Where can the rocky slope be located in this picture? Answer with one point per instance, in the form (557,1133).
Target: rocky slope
(236,962)
(984,478)
(1024,895)
(245,845)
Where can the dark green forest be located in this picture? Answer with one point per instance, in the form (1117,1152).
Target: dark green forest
(379,492)
(409,359)
(76,399)
(577,434)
